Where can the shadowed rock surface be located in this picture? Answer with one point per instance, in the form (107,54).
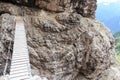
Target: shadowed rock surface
(84,7)
(65,41)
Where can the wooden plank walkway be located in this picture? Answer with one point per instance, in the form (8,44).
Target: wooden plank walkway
(20,66)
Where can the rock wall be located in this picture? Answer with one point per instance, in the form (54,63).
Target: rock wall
(65,41)
(7,24)
(69,46)
(84,7)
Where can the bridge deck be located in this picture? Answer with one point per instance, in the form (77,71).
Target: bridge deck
(20,66)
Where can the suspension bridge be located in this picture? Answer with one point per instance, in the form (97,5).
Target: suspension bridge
(20,64)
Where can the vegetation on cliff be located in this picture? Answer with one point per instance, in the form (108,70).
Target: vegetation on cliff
(117,44)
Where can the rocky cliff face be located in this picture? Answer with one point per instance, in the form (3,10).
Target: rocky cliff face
(7,24)
(84,7)
(64,41)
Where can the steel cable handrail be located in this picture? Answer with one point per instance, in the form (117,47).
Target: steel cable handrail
(6,65)
(8,52)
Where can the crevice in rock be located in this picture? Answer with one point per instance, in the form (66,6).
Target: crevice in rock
(29,3)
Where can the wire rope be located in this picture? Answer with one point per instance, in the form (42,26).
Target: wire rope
(8,53)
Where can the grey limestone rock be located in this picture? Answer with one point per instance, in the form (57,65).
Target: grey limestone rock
(7,24)
(84,48)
